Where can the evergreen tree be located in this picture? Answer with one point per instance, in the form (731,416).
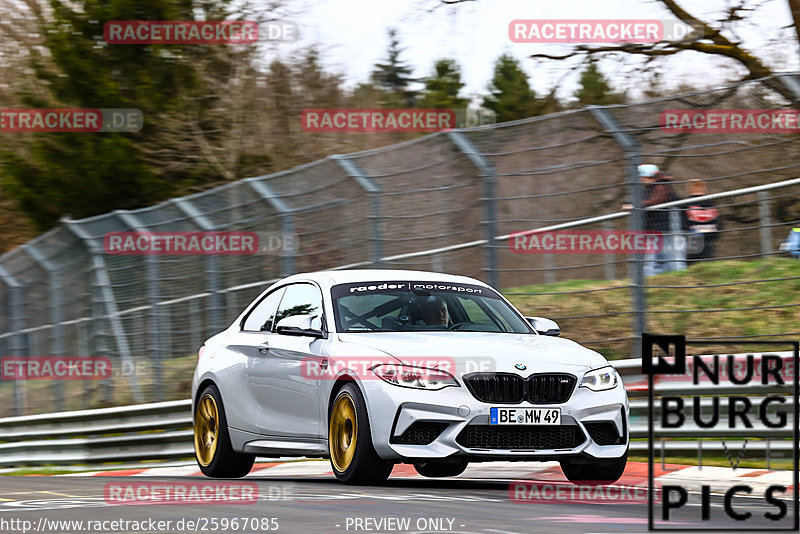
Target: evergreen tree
(393,76)
(595,89)
(317,87)
(176,87)
(510,95)
(442,87)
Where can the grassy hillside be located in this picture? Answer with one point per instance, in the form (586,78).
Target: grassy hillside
(581,298)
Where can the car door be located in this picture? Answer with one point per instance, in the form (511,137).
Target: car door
(278,377)
(244,411)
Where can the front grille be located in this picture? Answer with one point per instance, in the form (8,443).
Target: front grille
(550,389)
(496,387)
(420,433)
(522,437)
(507,388)
(604,433)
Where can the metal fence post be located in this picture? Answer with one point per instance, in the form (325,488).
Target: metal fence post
(678,242)
(633,159)
(82,342)
(765,223)
(17,345)
(610,267)
(105,302)
(373,191)
(230,301)
(550,266)
(54,290)
(195,325)
(212,265)
(154,329)
(286,214)
(488,175)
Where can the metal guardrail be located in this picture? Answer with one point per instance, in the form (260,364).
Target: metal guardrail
(162,430)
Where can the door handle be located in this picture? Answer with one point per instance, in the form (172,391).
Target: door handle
(323,364)
(263,348)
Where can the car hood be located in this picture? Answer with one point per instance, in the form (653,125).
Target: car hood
(481,351)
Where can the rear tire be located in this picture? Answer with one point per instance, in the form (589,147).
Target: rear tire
(212,442)
(440,469)
(353,458)
(595,474)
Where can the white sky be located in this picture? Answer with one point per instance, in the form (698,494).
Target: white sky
(352,36)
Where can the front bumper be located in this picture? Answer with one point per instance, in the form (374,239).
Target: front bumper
(394,409)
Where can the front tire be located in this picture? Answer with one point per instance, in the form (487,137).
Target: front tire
(353,458)
(440,469)
(212,443)
(595,474)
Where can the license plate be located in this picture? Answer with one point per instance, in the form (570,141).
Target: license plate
(525,416)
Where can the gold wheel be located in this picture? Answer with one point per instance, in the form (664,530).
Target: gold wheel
(206,429)
(343,432)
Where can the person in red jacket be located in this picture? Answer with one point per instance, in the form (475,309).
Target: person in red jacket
(704,223)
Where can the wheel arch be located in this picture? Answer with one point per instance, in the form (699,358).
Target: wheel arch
(341,381)
(200,388)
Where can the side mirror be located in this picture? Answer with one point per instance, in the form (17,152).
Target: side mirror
(299,325)
(546,327)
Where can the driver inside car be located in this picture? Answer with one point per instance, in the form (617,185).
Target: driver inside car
(434,312)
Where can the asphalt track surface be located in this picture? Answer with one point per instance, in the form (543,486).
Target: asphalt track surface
(320,504)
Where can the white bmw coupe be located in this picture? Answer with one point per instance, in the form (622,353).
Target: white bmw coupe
(376,367)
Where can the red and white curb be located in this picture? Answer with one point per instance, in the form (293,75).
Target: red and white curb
(719,478)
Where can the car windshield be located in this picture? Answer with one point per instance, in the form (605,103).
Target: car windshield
(402,306)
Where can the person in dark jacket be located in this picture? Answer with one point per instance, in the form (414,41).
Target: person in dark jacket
(704,223)
(658,190)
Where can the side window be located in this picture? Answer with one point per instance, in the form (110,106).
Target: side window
(301,299)
(262,318)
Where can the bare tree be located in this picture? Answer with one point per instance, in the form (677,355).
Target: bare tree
(706,38)
(717,38)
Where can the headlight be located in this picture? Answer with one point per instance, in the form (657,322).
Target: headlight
(601,379)
(414,377)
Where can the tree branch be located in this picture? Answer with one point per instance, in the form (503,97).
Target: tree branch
(719,45)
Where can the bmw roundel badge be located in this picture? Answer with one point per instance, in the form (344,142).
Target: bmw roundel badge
(520,366)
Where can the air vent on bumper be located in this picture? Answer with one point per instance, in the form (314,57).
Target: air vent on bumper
(603,433)
(420,433)
(538,437)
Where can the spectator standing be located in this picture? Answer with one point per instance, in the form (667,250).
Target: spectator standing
(792,243)
(658,189)
(704,223)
